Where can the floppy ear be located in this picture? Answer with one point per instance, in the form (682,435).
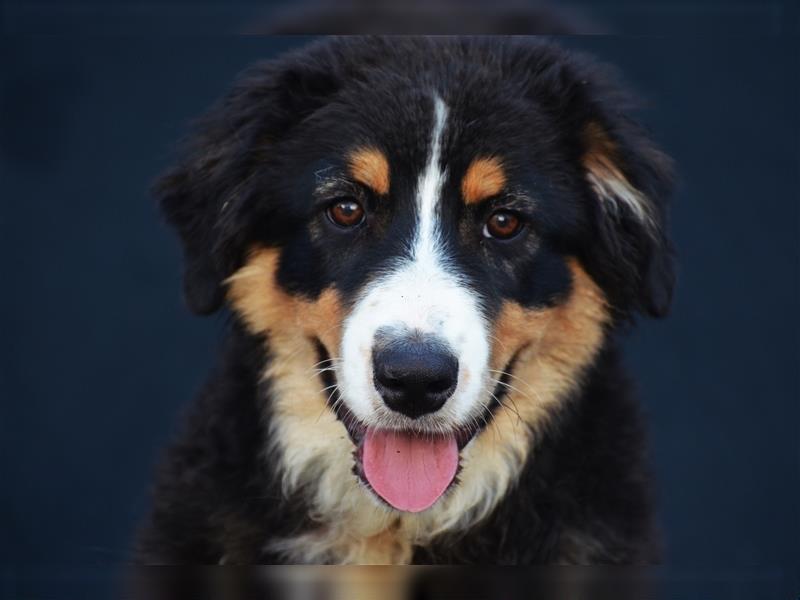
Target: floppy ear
(630,181)
(200,196)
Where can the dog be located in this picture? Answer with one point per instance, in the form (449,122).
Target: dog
(429,250)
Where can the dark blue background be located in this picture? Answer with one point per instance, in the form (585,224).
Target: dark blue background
(99,355)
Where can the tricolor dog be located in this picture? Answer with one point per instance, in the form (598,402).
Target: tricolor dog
(428,248)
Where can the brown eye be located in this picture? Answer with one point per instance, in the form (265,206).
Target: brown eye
(502,225)
(346,212)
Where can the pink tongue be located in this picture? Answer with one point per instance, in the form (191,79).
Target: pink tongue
(408,471)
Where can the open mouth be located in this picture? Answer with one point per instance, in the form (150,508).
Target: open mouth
(409,470)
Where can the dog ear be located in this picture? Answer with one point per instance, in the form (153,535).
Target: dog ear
(199,196)
(627,179)
(630,181)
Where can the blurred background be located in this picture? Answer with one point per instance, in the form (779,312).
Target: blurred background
(99,357)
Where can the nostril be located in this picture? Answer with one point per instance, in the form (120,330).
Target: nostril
(391,380)
(438,386)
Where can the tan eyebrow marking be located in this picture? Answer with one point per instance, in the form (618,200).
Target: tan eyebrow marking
(484,178)
(370,167)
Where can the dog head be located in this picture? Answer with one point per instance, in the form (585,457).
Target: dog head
(440,231)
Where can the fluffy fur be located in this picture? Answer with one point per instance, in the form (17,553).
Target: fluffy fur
(431,137)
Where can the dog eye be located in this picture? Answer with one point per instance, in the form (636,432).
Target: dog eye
(502,225)
(346,212)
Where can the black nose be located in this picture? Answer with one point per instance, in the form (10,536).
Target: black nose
(414,375)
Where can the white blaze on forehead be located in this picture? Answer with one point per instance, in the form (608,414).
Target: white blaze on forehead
(429,190)
(422,293)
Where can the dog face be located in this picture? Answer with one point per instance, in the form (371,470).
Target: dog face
(442,230)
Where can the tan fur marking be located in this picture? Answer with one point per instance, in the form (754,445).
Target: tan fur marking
(266,308)
(607,179)
(370,167)
(316,454)
(484,178)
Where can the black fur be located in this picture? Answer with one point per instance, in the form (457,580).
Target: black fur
(249,177)
(214,487)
